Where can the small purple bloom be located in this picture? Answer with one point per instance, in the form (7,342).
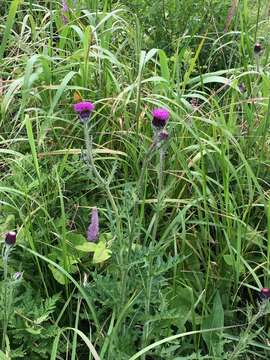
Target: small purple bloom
(93,228)
(163,135)
(84,109)
(10,238)
(265,293)
(160,117)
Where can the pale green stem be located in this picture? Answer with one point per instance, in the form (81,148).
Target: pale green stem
(257,60)
(139,195)
(134,217)
(160,189)
(150,278)
(5,254)
(92,167)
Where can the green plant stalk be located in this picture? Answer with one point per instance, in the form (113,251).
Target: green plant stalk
(92,167)
(103,184)
(160,189)
(139,194)
(74,342)
(5,254)
(150,278)
(257,60)
(134,216)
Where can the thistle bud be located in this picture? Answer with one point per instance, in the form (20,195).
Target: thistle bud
(10,238)
(265,293)
(257,48)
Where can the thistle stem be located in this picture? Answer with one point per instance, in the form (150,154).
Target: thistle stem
(5,254)
(92,167)
(160,189)
(134,217)
(150,277)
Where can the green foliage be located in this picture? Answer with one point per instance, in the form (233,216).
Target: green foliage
(184,228)
(31,331)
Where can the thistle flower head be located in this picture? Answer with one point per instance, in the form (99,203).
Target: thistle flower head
(93,228)
(160,117)
(10,238)
(257,48)
(265,293)
(84,109)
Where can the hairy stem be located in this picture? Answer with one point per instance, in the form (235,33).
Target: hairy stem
(5,254)
(150,277)
(92,167)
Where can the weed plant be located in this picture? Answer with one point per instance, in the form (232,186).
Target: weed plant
(134,242)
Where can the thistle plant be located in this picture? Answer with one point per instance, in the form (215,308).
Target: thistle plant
(160,136)
(84,109)
(160,119)
(248,335)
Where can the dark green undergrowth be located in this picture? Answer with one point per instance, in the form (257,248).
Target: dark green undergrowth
(183,249)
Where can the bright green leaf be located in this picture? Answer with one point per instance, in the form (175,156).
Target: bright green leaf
(101,253)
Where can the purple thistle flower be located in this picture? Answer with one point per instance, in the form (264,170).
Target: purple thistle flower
(10,238)
(84,109)
(93,228)
(265,293)
(160,117)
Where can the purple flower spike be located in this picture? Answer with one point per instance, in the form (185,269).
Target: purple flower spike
(84,109)
(64,6)
(160,117)
(93,228)
(10,238)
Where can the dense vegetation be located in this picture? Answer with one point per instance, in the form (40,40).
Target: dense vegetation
(177,252)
